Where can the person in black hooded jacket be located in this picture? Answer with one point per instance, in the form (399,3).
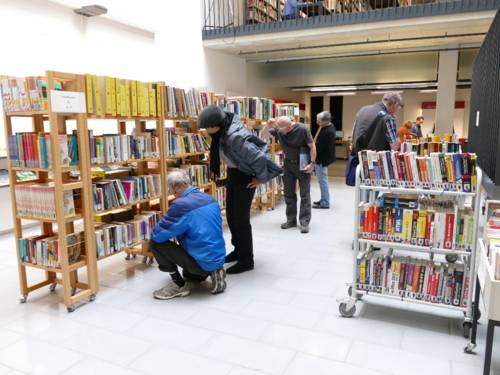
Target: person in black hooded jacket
(249,164)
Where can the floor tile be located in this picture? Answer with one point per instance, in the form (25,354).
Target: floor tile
(93,366)
(177,310)
(464,369)
(244,371)
(4,370)
(8,337)
(282,314)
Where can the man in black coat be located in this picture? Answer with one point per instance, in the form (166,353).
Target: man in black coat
(325,147)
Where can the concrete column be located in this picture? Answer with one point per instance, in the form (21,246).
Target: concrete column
(447,82)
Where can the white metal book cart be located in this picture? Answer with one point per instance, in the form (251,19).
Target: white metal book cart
(366,192)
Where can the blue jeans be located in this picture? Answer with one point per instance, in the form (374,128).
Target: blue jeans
(322,175)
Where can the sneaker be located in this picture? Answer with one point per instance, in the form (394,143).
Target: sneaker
(231,257)
(239,268)
(288,225)
(304,228)
(218,278)
(317,202)
(320,206)
(172,290)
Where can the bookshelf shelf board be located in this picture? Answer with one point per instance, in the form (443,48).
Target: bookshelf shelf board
(128,248)
(182,156)
(64,169)
(410,300)
(26,113)
(416,191)
(73,266)
(125,206)
(72,185)
(46,220)
(123,118)
(415,248)
(125,162)
(205,186)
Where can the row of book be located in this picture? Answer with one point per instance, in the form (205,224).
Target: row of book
(447,229)
(220,196)
(493,235)
(33,150)
(425,148)
(44,250)
(110,148)
(113,193)
(189,103)
(440,171)
(38,201)
(198,173)
(251,108)
(120,97)
(25,93)
(184,143)
(406,277)
(117,236)
(288,110)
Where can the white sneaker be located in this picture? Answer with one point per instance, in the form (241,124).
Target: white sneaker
(172,290)
(218,278)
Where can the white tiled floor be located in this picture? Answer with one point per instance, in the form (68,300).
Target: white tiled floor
(281,318)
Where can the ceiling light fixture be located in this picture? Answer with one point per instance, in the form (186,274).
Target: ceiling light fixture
(381,92)
(91,10)
(346,93)
(428,91)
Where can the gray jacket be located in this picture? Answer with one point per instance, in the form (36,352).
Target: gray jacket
(248,152)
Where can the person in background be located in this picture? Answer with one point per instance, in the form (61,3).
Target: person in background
(248,164)
(325,149)
(417,127)
(194,219)
(404,132)
(290,11)
(375,125)
(297,143)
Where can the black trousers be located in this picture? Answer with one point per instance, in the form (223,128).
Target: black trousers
(238,204)
(290,177)
(171,255)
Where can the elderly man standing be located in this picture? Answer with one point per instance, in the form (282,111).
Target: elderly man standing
(194,219)
(298,145)
(325,147)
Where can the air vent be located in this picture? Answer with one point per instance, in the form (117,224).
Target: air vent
(91,10)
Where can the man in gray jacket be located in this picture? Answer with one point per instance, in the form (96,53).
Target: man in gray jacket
(249,164)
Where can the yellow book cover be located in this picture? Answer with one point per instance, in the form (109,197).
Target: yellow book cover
(113,96)
(88,91)
(118,97)
(127,99)
(407,222)
(152,100)
(158,100)
(140,99)
(123,98)
(146,99)
(97,96)
(108,83)
(133,92)
(421,224)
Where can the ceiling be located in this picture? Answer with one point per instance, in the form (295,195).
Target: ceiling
(442,32)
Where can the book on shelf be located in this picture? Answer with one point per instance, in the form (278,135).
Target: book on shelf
(407,277)
(198,173)
(429,223)
(44,250)
(182,103)
(263,190)
(38,201)
(178,143)
(110,148)
(251,107)
(220,195)
(116,236)
(286,109)
(25,93)
(426,146)
(438,171)
(492,235)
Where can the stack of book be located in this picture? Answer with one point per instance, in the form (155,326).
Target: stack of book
(406,277)
(117,236)
(438,171)
(33,150)
(184,143)
(25,94)
(38,201)
(198,173)
(110,148)
(44,249)
(422,223)
(251,108)
(119,97)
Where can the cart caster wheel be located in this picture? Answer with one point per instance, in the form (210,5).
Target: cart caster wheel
(349,292)
(70,308)
(52,287)
(151,261)
(92,298)
(345,311)
(23,298)
(127,257)
(73,291)
(469,349)
(144,260)
(451,258)
(467,327)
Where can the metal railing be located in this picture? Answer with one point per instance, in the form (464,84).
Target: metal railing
(240,17)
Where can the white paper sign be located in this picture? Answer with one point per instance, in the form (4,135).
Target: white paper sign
(67,101)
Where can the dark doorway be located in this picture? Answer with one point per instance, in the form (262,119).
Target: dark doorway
(336,105)
(316,107)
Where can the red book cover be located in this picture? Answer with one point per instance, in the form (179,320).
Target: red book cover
(375,219)
(416,278)
(408,167)
(428,224)
(402,276)
(34,142)
(414,230)
(401,168)
(448,234)
(25,150)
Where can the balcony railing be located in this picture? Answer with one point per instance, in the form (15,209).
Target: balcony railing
(222,18)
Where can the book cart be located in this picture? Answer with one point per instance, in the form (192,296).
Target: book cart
(71,256)
(366,192)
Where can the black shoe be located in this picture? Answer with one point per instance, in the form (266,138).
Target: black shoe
(288,225)
(304,228)
(239,268)
(317,202)
(231,257)
(320,206)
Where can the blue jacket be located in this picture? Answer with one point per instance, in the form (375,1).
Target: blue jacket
(195,220)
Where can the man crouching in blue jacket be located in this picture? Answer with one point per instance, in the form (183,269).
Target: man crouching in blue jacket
(194,219)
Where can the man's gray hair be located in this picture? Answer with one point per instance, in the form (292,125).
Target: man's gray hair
(324,116)
(178,179)
(393,97)
(283,120)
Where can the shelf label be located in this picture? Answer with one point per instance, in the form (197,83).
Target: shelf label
(67,101)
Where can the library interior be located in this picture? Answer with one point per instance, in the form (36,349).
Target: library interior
(250,187)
